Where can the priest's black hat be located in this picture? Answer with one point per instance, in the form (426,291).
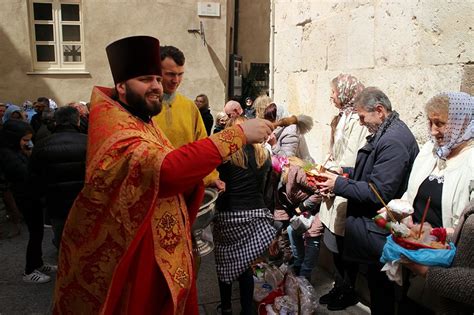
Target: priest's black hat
(131,57)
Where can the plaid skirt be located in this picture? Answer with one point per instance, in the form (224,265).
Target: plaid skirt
(240,237)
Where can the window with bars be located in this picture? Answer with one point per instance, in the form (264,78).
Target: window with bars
(57,35)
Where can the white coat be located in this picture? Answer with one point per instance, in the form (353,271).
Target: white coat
(458,186)
(344,153)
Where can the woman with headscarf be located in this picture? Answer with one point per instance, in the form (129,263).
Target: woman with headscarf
(15,150)
(347,136)
(243,226)
(444,169)
(13,112)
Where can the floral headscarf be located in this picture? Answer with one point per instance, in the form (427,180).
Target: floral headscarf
(460,125)
(348,87)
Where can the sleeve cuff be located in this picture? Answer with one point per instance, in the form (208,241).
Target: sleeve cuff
(339,185)
(229,140)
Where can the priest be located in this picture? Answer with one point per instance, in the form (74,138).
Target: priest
(126,246)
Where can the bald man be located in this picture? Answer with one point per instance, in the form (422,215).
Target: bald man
(233,109)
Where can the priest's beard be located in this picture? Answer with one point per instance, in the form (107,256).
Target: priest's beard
(141,103)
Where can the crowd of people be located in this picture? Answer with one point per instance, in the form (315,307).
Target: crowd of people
(42,158)
(121,180)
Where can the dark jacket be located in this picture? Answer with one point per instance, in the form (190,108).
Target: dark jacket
(58,167)
(36,122)
(207,119)
(385,161)
(42,133)
(250,112)
(14,165)
(217,129)
(244,186)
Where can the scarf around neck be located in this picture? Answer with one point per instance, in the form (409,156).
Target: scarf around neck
(383,127)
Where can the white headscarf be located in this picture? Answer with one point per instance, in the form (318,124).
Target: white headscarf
(52,104)
(460,125)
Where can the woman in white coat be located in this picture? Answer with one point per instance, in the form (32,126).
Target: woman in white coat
(444,172)
(347,137)
(444,168)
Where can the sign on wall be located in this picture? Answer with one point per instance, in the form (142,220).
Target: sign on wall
(209,9)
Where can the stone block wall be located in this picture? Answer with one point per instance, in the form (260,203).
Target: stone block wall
(411,50)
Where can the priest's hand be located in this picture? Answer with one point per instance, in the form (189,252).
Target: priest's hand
(257,130)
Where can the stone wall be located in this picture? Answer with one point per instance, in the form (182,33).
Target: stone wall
(104,22)
(412,50)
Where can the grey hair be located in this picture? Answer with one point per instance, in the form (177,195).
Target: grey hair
(370,97)
(438,103)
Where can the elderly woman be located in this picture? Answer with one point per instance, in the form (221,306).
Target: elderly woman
(444,168)
(444,171)
(347,137)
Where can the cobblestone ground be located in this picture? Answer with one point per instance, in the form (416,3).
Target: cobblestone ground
(17,297)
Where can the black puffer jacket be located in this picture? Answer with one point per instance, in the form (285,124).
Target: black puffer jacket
(58,165)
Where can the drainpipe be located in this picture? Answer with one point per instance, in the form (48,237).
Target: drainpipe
(272,49)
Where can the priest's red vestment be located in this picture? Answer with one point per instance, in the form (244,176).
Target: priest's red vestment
(126,246)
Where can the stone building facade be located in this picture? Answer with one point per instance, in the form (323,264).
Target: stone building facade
(411,50)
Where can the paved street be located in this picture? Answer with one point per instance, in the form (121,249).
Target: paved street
(17,297)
